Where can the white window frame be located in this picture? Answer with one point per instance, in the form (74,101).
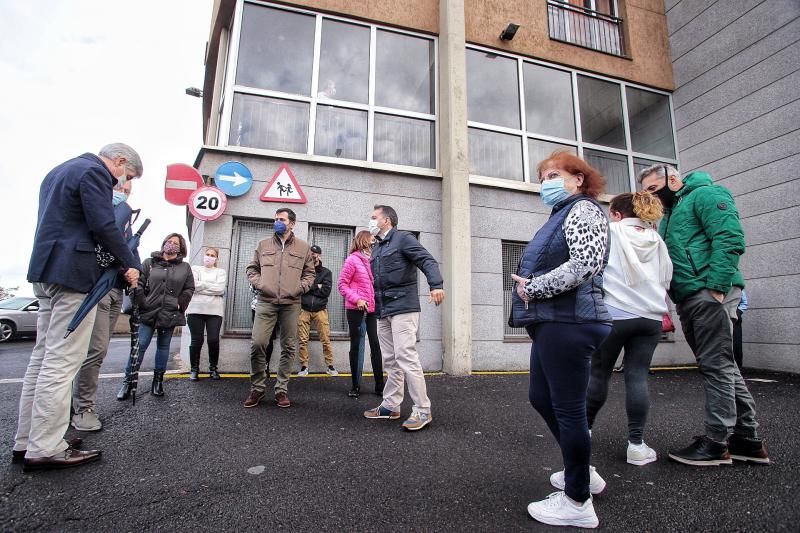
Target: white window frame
(529,182)
(230,89)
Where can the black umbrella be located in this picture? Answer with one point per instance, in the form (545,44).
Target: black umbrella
(104,285)
(133,359)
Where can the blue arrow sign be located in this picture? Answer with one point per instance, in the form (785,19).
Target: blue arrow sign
(233,178)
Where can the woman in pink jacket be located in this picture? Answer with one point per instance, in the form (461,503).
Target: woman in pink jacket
(355,284)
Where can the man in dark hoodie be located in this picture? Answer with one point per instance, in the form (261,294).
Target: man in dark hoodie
(705,240)
(314,309)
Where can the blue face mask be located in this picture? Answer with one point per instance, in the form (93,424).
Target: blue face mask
(553,191)
(280,227)
(119,197)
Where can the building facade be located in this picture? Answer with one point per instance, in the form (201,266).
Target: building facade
(442,110)
(737,110)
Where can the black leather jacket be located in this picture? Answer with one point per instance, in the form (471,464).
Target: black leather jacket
(395,260)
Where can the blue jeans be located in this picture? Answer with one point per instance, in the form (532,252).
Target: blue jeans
(560,359)
(162,346)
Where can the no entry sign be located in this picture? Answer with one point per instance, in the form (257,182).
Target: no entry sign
(182,180)
(207,203)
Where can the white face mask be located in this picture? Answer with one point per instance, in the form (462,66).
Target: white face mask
(373,227)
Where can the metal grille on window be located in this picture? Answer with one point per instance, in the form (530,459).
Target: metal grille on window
(246,236)
(335,243)
(512,252)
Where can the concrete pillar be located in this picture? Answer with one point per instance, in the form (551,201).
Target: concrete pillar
(453,143)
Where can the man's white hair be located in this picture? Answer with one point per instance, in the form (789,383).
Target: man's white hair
(660,169)
(115,150)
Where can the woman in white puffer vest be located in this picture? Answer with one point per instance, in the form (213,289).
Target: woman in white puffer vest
(635,283)
(205,312)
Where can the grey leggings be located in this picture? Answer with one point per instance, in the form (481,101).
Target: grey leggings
(639,337)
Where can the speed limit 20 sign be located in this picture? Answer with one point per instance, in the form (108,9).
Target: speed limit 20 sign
(207,203)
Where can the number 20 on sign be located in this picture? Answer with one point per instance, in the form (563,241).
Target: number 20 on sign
(207,203)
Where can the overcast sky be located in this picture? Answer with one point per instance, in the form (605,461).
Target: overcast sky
(79,74)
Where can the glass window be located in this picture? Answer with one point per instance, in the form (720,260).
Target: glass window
(492,89)
(548,101)
(541,150)
(601,112)
(495,154)
(341,133)
(404,141)
(269,123)
(344,62)
(247,235)
(276,50)
(650,123)
(404,72)
(613,166)
(512,252)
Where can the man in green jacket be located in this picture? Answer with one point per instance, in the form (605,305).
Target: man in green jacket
(705,239)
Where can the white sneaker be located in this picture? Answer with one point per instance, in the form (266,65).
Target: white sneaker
(640,454)
(596,483)
(303,371)
(86,421)
(558,510)
(332,371)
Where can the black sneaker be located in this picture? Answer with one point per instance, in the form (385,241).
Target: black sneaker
(703,452)
(746,449)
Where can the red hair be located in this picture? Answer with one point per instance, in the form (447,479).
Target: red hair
(593,181)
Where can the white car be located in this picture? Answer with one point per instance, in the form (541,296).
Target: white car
(18,317)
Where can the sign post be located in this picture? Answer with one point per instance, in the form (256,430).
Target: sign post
(233,178)
(283,187)
(207,203)
(182,180)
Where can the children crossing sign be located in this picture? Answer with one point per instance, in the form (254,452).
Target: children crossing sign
(283,187)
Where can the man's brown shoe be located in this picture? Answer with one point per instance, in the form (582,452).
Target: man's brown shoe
(253,398)
(66,459)
(17,456)
(282,399)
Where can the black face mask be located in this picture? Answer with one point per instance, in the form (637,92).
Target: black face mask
(666,195)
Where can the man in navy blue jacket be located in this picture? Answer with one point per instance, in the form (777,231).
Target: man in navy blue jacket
(75,215)
(396,256)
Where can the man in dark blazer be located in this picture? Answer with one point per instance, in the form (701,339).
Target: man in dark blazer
(75,215)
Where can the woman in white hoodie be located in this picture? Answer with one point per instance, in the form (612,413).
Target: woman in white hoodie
(635,283)
(205,312)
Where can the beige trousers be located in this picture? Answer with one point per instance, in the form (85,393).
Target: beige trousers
(47,386)
(398,337)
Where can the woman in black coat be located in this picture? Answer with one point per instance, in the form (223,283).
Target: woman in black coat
(165,290)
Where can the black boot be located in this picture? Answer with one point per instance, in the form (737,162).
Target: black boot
(194,363)
(124,391)
(158,383)
(212,371)
(354,392)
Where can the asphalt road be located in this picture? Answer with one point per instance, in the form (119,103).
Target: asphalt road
(197,460)
(14,356)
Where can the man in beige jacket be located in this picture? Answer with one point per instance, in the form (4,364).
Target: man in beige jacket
(282,269)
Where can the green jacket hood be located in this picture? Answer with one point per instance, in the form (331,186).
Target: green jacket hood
(693,180)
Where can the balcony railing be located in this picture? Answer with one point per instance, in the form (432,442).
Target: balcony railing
(585,27)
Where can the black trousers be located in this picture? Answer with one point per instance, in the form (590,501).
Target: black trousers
(354,319)
(738,355)
(211,324)
(639,337)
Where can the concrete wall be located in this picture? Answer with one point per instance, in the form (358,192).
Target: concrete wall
(336,196)
(737,111)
